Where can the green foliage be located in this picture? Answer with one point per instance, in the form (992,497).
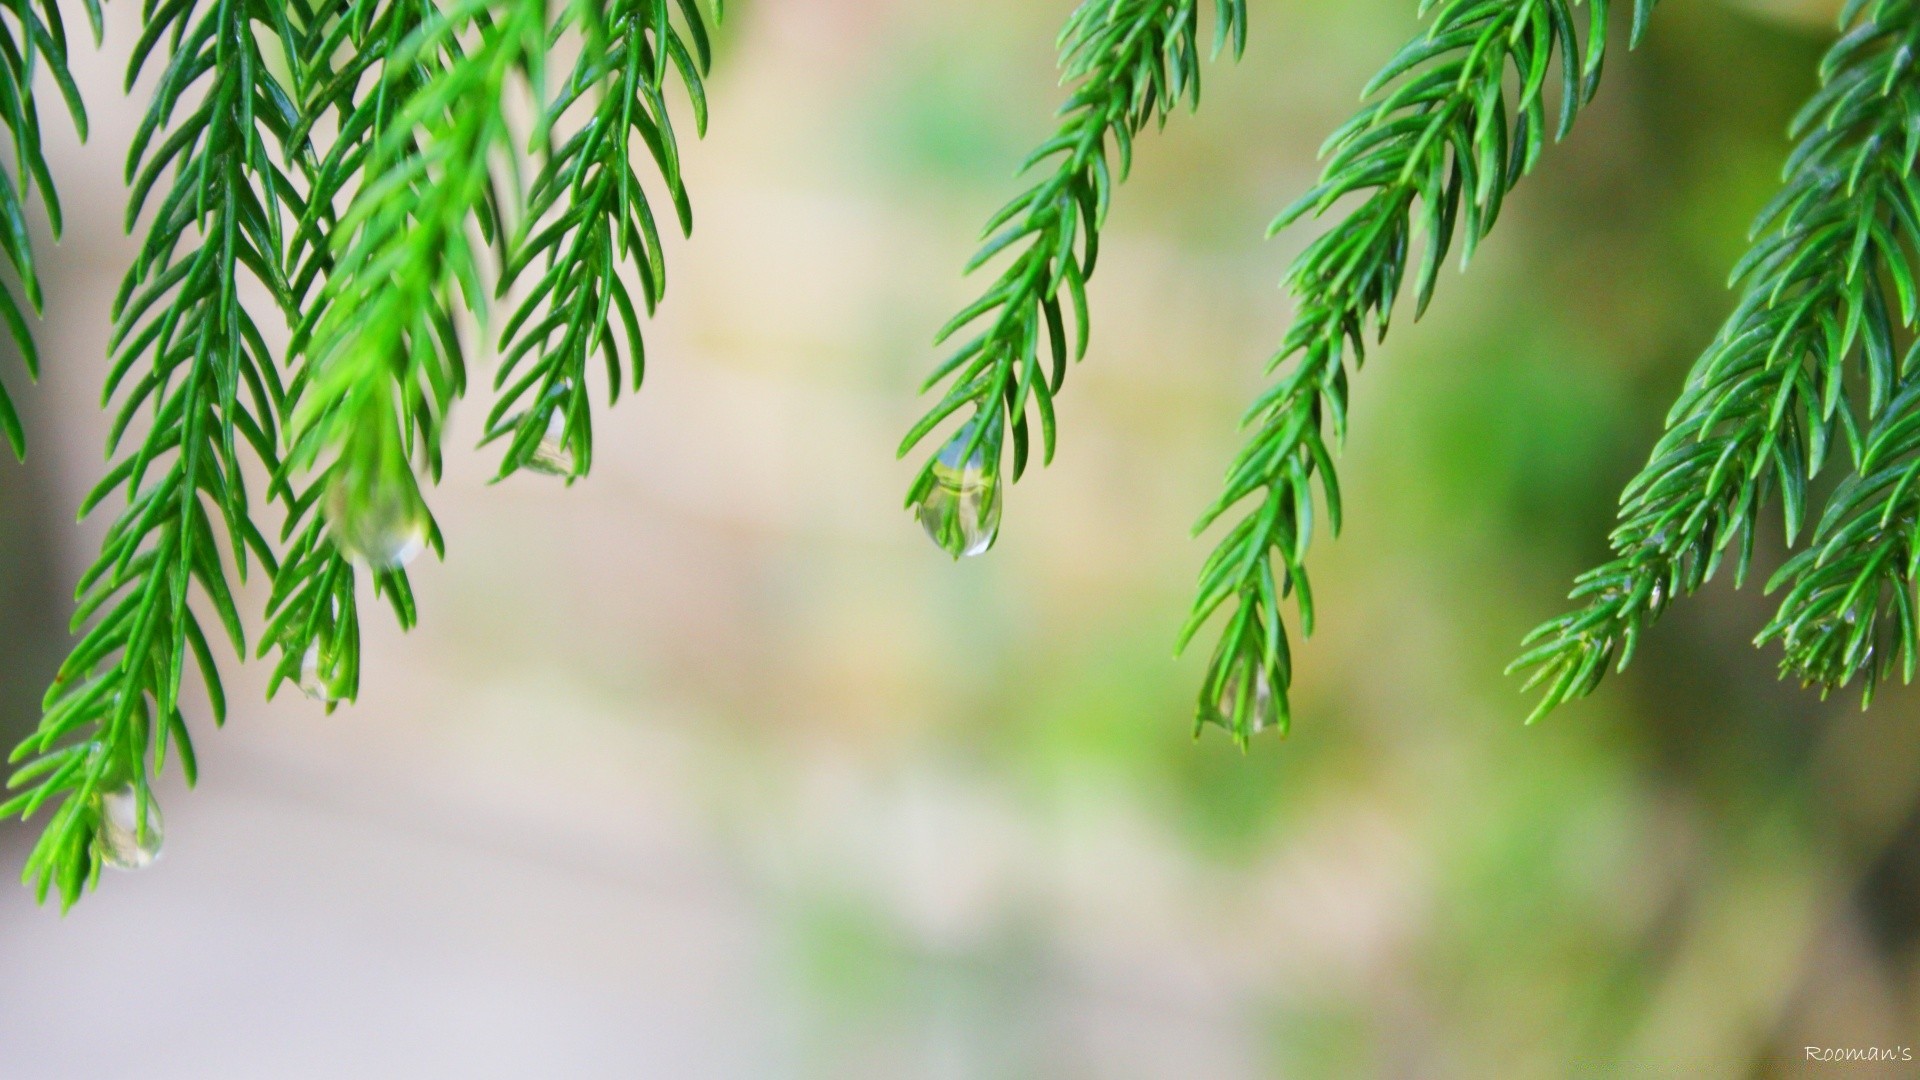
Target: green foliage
(361,165)
(1135,61)
(1768,403)
(1434,152)
(587,215)
(187,351)
(345,161)
(313,609)
(382,355)
(33,37)
(422,113)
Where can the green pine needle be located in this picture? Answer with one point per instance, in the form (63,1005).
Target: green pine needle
(187,352)
(1764,406)
(587,216)
(360,167)
(36,37)
(1134,61)
(1435,152)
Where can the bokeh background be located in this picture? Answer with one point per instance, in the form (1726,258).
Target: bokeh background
(712,766)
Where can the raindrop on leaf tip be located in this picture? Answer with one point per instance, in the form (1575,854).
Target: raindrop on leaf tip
(1263,707)
(554,456)
(382,524)
(961,510)
(316,681)
(123,841)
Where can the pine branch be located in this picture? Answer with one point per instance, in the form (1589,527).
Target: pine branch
(188,353)
(383,360)
(1438,148)
(1135,61)
(32,36)
(1766,402)
(588,215)
(313,611)
(1850,610)
(373,506)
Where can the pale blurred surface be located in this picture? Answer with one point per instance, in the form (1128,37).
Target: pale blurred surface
(712,766)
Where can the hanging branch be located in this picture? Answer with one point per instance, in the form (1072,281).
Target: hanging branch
(587,216)
(30,37)
(187,352)
(1766,402)
(1850,610)
(370,251)
(382,359)
(1135,60)
(372,505)
(389,58)
(1442,140)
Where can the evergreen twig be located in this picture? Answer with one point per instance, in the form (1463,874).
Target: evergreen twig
(1135,61)
(381,350)
(587,215)
(345,160)
(1767,402)
(188,353)
(390,54)
(1436,149)
(30,37)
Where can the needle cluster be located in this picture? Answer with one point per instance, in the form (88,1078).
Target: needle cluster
(1806,370)
(1451,125)
(1133,63)
(357,165)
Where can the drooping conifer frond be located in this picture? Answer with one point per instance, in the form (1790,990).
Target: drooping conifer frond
(585,208)
(390,53)
(1135,61)
(381,350)
(346,162)
(1767,402)
(1434,152)
(382,355)
(1850,610)
(189,356)
(587,215)
(30,37)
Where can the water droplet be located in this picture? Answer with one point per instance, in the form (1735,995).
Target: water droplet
(123,841)
(961,511)
(1262,708)
(318,680)
(554,456)
(382,523)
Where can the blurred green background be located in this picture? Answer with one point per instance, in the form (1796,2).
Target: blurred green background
(713,766)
